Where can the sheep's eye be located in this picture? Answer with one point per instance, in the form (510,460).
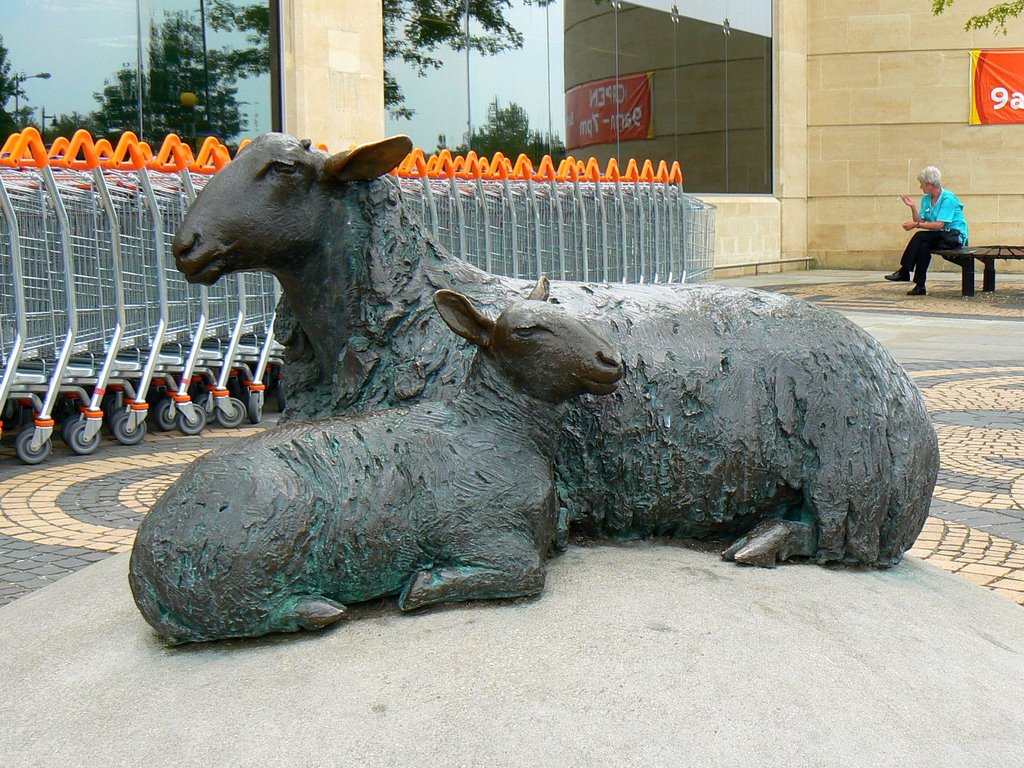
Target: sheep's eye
(279,167)
(529,332)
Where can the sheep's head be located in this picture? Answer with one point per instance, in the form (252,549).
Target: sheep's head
(541,348)
(264,210)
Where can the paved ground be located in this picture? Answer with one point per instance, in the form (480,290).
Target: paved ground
(967,355)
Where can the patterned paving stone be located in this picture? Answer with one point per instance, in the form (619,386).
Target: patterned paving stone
(73,511)
(976,555)
(943,300)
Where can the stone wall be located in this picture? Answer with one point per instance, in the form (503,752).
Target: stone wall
(888,93)
(747,229)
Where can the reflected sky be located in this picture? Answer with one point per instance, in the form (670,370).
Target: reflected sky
(516,76)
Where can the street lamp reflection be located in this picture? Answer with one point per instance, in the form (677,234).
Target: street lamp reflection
(20,78)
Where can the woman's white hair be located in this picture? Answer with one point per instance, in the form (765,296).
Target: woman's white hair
(930,175)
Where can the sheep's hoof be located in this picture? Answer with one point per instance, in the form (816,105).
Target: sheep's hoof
(317,612)
(771,541)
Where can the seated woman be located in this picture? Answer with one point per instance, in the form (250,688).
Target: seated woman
(942,224)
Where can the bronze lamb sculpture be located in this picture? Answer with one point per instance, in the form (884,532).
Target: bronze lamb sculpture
(440,502)
(742,414)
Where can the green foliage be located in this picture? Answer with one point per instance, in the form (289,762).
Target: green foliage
(7,86)
(508,131)
(995,17)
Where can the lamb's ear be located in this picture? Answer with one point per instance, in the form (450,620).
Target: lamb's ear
(541,290)
(463,318)
(367,161)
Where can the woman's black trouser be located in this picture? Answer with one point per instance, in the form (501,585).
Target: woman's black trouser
(918,253)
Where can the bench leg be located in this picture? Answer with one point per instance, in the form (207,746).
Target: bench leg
(966,276)
(988,278)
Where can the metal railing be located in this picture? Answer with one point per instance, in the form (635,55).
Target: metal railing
(98,327)
(603,231)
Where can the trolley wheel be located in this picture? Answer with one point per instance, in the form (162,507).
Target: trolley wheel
(122,433)
(23,447)
(255,409)
(75,438)
(162,415)
(196,425)
(234,415)
(68,425)
(110,404)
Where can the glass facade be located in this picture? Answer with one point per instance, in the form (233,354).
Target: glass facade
(190,67)
(607,79)
(611,79)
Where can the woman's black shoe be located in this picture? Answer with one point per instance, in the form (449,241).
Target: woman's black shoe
(898,277)
(917,290)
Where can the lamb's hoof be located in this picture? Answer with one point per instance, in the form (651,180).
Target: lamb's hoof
(317,612)
(562,530)
(771,541)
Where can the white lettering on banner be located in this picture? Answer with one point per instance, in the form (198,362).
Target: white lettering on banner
(625,120)
(608,94)
(1002,96)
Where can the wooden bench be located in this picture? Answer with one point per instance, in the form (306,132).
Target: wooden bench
(987,255)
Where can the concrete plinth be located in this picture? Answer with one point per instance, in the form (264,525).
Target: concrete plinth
(635,656)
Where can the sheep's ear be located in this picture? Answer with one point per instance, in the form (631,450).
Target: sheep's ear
(463,318)
(541,290)
(367,161)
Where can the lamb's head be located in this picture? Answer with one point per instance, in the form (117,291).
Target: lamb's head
(539,347)
(265,209)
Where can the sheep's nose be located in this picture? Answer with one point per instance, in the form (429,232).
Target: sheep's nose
(183,243)
(610,359)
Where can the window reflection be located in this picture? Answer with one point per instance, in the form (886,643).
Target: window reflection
(190,67)
(622,80)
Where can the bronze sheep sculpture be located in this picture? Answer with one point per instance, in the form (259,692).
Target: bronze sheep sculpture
(438,502)
(742,415)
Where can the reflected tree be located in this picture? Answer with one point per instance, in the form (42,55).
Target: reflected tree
(8,85)
(507,130)
(415,30)
(175,68)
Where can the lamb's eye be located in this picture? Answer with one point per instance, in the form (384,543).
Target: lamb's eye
(529,332)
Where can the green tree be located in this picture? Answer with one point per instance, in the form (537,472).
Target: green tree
(995,17)
(175,67)
(414,30)
(66,125)
(508,131)
(8,121)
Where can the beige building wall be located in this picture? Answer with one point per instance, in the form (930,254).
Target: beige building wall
(865,95)
(333,70)
(888,93)
(790,125)
(748,230)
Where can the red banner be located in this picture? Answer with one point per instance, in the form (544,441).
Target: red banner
(599,111)
(997,86)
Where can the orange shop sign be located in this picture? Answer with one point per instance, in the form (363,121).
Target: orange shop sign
(601,110)
(997,86)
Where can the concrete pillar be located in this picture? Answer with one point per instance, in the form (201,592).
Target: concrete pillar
(333,70)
